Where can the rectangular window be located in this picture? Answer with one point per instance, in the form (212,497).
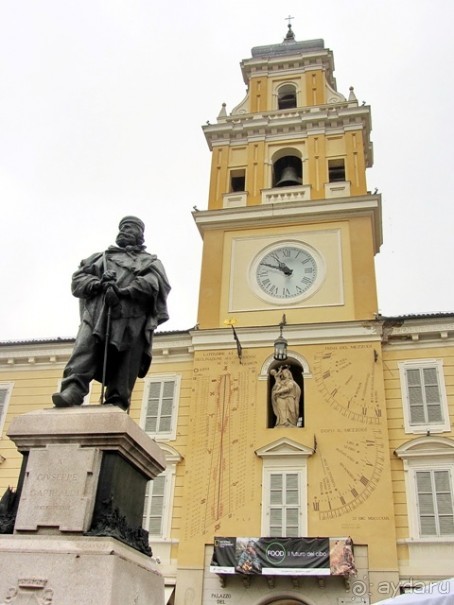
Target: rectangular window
(237,180)
(336,170)
(435,502)
(284,504)
(159,414)
(154,507)
(425,404)
(424,396)
(5,393)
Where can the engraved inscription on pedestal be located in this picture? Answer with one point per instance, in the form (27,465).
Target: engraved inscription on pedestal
(59,489)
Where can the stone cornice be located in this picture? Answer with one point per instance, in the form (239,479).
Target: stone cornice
(410,332)
(295,334)
(176,346)
(395,333)
(299,122)
(286,58)
(291,213)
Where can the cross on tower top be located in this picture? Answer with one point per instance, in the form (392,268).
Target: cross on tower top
(290,35)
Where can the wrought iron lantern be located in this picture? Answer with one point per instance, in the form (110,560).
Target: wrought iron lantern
(280,344)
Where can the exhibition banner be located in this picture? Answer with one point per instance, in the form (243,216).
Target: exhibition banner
(283,556)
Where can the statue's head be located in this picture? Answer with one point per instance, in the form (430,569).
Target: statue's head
(131,232)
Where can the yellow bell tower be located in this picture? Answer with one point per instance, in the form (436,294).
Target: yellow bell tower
(290,225)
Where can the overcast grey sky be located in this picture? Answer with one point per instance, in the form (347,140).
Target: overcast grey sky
(101,107)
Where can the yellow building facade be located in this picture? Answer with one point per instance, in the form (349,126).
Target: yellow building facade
(289,240)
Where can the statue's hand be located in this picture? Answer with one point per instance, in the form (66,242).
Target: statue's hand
(93,288)
(111,297)
(109,276)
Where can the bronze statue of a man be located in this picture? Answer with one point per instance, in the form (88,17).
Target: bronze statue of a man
(123,293)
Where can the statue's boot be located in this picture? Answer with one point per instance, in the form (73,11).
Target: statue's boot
(67,398)
(117,401)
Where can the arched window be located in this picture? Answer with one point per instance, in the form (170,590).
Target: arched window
(285,394)
(286,97)
(287,171)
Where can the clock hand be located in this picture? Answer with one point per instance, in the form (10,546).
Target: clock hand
(281,267)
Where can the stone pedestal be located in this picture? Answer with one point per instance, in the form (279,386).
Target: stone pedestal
(77,535)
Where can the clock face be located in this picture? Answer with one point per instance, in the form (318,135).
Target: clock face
(287,272)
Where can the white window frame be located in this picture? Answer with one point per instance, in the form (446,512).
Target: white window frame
(268,472)
(8,387)
(425,454)
(433,427)
(284,456)
(166,475)
(172,459)
(172,433)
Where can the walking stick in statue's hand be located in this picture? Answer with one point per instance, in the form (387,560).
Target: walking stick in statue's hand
(106,348)
(112,302)
(108,278)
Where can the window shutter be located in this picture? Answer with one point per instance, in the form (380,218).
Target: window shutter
(3,396)
(426,503)
(415,397)
(292,502)
(443,495)
(424,395)
(165,422)
(154,506)
(284,504)
(160,406)
(432,392)
(276,502)
(436,513)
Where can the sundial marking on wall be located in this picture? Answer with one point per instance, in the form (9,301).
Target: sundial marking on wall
(351,447)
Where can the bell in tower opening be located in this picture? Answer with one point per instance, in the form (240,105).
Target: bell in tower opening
(287,172)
